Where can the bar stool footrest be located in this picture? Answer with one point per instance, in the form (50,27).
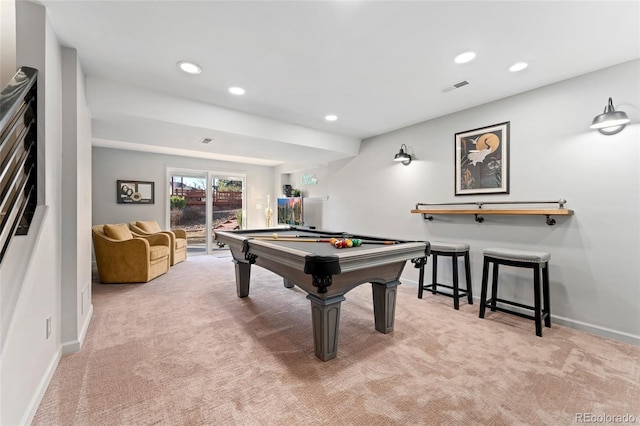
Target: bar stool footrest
(489,302)
(461,292)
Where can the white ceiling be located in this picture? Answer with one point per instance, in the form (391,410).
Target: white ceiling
(377,65)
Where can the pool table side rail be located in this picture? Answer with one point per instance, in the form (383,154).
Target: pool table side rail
(349,260)
(311,233)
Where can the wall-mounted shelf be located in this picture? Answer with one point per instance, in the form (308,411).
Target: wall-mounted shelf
(479,211)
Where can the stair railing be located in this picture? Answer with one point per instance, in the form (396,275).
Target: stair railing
(18,156)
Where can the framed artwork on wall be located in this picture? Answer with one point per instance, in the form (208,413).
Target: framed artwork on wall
(482,160)
(135,192)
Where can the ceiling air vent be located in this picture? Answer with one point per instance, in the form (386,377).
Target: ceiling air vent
(454,86)
(206,140)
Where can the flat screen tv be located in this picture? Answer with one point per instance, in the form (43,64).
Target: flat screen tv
(290,211)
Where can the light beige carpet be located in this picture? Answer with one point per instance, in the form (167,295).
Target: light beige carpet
(185,350)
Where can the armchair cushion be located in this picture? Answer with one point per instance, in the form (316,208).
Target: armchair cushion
(178,244)
(149,226)
(118,232)
(158,252)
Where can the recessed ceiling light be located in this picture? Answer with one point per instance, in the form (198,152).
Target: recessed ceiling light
(189,67)
(331,117)
(518,66)
(465,57)
(236,90)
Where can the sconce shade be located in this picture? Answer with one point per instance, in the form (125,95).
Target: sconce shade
(610,121)
(403,156)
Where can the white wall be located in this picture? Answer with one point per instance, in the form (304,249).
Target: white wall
(28,357)
(76,201)
(553,154)
(7,41)
(110,165)
(39,282)
(313,183)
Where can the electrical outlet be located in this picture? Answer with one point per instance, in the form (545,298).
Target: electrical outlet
(48,320)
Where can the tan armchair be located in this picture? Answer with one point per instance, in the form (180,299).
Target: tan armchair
(125,258)
(178,238)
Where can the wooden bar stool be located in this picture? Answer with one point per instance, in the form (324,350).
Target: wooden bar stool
(452,250)
(539,262)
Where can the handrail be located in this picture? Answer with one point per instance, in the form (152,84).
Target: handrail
(18,154)
(12,96)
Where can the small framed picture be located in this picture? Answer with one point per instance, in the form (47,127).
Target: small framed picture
(135,192)
(482,160)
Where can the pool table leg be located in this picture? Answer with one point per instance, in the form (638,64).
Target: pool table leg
(325,317)
(243,275)
(384,305)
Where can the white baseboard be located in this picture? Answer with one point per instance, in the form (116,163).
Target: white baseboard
(74,346)
(85,327)
(32,408)
(609,333)
(597,330)
(65,348)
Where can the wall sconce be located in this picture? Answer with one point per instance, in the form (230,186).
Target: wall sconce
(403,156)
(610,121)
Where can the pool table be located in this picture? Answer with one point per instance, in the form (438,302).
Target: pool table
(305,258)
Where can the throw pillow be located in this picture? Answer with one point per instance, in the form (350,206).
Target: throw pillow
(118,231)
(150,226)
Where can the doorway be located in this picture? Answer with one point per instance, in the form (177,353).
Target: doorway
(201,202)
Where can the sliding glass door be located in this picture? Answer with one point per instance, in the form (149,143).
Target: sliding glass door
(201,202)
(226,203)
(188,209)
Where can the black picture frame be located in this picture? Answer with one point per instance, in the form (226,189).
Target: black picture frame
(482,160)
(135,192)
